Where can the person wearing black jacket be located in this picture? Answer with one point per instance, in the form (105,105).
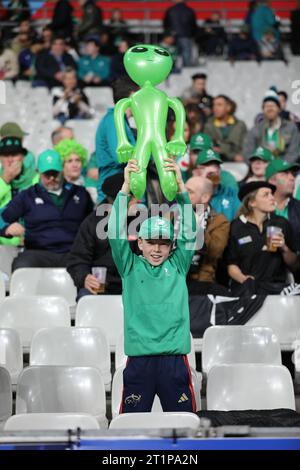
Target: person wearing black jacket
(50,65)
(90,249)
(181,21)
(91,21)
(62,21)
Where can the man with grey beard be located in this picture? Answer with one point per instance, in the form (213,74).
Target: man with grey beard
(47,215)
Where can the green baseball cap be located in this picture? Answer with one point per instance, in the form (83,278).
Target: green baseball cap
(262,153)
(49,160)
(12,129)
(278,165)
(200,141)
(156,227)
(208,156)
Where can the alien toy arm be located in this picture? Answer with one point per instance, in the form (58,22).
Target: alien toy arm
(124,148)
(177,146)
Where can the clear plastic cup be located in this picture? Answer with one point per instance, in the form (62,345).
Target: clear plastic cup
(100,274)
(271,231)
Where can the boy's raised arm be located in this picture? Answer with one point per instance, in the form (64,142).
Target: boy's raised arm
(186,241)
(117,227)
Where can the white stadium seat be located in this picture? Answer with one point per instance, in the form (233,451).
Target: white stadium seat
(51,421)
(5,396)
(231,344)
(157,420)
(78,346)
(44,281)
(57,389)
(104,311)
(281,314)
(28,314)
(249,387)
(11,355)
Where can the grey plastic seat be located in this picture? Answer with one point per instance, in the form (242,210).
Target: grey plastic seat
(47,421)
(104,311)
(78,346)
(5,396)
(2,286)
(57,389)
(249,386)
(238,169)
(239,343)
(44,281)
(11,355)
(28,314)
(157,420)
(281,314)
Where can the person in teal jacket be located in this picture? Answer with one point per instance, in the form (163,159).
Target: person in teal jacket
(94,68)
(155,300)
(106,137)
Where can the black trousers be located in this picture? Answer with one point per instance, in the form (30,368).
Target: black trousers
(39,259)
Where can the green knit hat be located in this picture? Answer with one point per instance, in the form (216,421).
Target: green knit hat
(156,227)
(68,146)
(262,153)
(200,141)
(208,156)
(278,165)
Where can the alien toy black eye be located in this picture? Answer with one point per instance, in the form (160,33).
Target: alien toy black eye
(161,52)
(139,49)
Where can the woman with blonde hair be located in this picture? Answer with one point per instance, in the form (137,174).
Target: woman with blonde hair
(261,246)
(75,158)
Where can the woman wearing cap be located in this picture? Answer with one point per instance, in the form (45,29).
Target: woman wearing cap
(251,266)
(258,163)
(74,157)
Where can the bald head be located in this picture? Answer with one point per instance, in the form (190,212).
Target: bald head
(200,190)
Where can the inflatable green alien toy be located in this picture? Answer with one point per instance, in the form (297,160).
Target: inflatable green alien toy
(149,65)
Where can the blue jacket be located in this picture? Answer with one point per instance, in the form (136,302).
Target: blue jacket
(106,146)
(99,66)
(46,227)
(225,201)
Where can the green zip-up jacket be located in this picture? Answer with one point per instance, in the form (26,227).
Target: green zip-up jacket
(155,299)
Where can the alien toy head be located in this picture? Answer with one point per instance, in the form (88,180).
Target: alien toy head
(145,62)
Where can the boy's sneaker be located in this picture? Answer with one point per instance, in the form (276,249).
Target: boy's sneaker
(292,289)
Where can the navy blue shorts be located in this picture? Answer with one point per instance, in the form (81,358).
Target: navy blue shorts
(169,377)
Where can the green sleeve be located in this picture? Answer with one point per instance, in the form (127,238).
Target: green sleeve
(117,234)
(185,247)
(5,193)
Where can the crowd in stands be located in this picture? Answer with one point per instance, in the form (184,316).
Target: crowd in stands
(52,211)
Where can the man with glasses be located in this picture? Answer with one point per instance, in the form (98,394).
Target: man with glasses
(51,213)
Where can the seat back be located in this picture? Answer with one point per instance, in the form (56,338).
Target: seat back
(5,395)
(28,314)
(157,420)
(281,314)
(238,169)
(48,421)
(78,346)
(11,355)
(239,343)
(104,311)
(44,281)
(249,387)
(56,389)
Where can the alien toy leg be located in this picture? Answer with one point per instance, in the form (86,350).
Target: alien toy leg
(167,178)
(141,155)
